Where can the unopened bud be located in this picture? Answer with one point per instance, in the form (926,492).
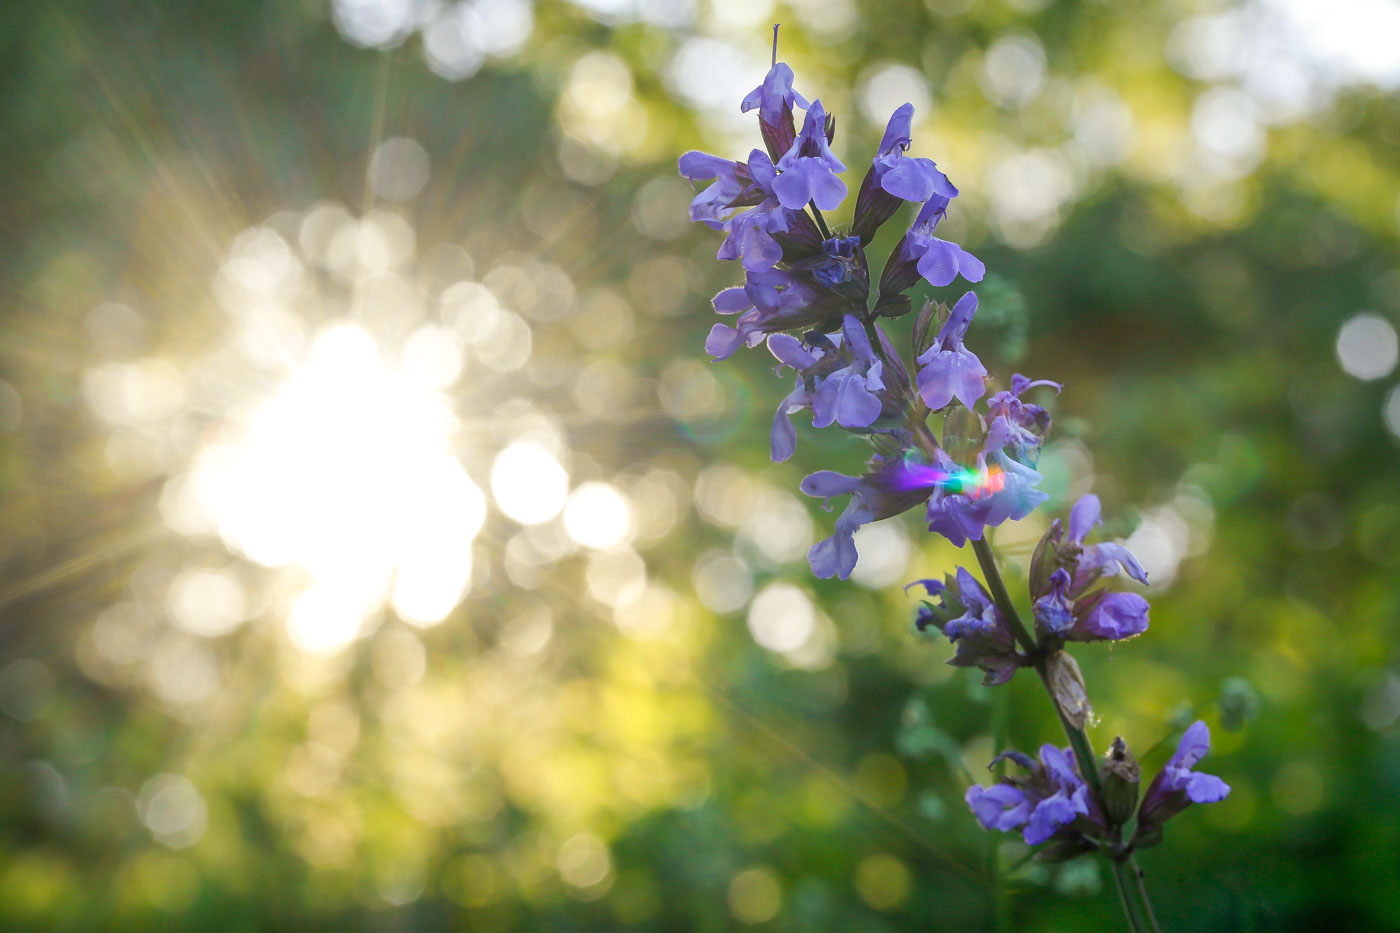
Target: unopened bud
(1121,776)
(963,435)
(924,331)
(1043,560)
(1067,687)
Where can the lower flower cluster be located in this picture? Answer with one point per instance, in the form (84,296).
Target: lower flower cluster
(1052,803)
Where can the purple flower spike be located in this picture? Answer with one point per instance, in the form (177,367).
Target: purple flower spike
(939,261)
(774,96)
(910,179)
(808,170)
(950,370)
(1176,786)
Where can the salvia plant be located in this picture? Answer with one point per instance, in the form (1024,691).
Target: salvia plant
(945,437)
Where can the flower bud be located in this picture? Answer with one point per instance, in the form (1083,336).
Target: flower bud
(1121,776)
(1043,561)
(963,434)
(924,331)
(1067,687)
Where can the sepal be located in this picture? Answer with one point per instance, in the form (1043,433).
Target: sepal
(1064,850)
(1067,687)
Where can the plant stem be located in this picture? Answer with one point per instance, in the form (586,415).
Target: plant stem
(1142,894)
(1134,895)
(1130,907)
(1002,598)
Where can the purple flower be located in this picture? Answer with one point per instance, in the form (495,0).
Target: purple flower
(1064,568)
(1176,786)
(948,369)
(836,556)
(731,179)
(809,168)
(1014,423)
(1106,557)
(873,496)
(771,300)
(847,396)
(1105,616)
(842,263)
(939,261)
(1000,806)
(910,179)
(960,516)
(1053,612)
(980,635)
(782,439)
(1046,802)
(775,96)
(750,234)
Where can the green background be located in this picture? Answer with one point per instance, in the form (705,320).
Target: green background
(649,766)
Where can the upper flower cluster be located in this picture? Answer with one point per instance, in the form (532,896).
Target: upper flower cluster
(806,294)
(761,205)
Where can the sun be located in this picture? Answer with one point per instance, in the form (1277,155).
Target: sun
(346,473)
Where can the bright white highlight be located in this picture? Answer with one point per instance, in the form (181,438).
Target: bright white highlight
(597,516)
(781,618)
(528,484)
(1367,346)
(345,473)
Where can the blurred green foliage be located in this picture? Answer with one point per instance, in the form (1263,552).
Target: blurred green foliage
(556,754)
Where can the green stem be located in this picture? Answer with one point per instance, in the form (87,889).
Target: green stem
(1142,894)
(1001,901)
(1002,598)
(821,221)
(1127,877)
(1131,908)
